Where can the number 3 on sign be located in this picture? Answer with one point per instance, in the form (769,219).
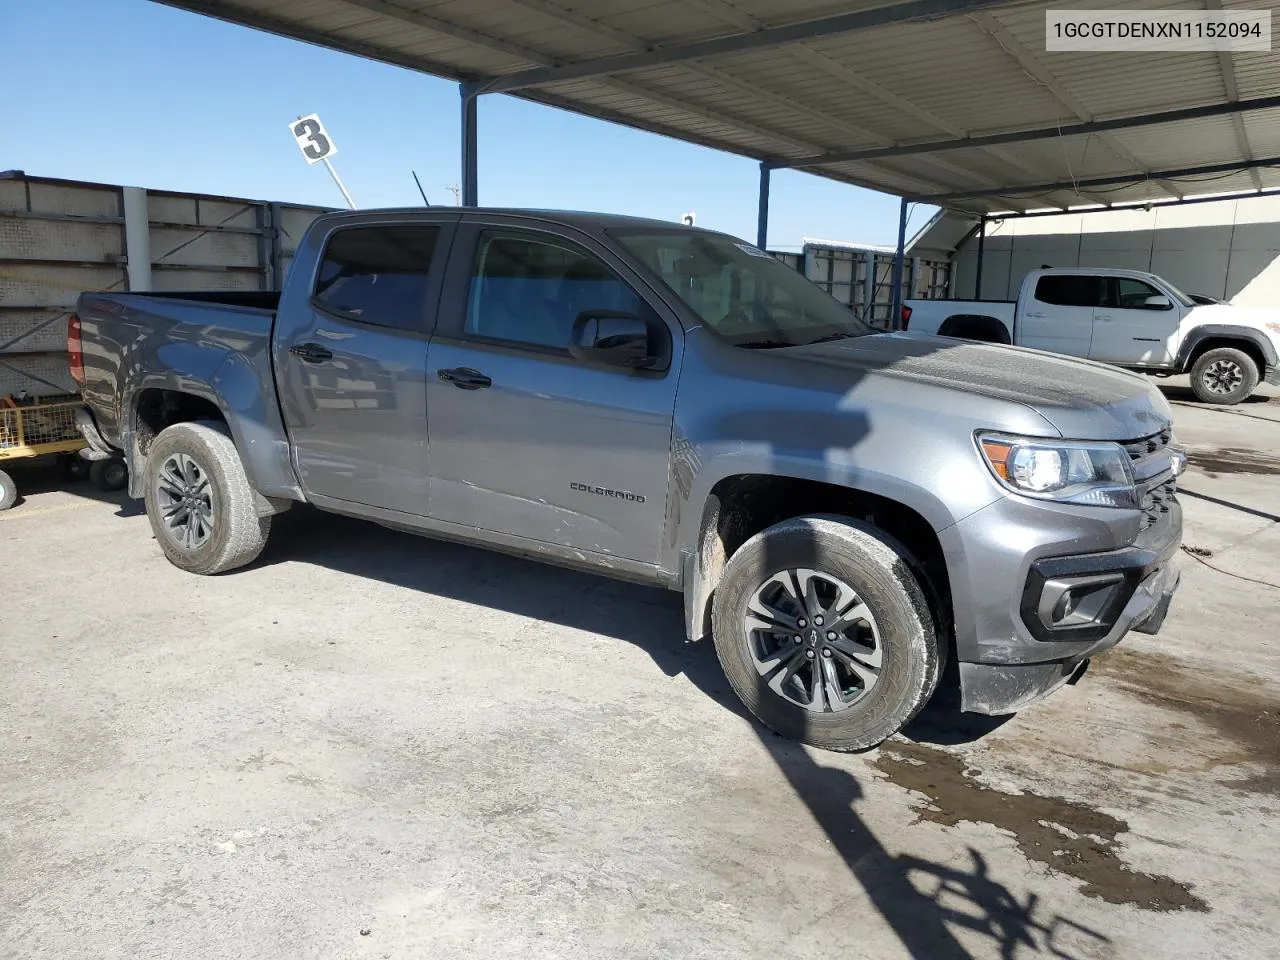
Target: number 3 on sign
(313,139)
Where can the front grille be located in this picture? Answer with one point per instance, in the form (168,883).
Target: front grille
(1142,448)
(1160,497)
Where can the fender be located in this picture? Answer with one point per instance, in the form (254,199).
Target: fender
(230,382)
(702,561)
(1226,332)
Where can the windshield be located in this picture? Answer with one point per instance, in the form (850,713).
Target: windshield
(1182,298)
(741,293)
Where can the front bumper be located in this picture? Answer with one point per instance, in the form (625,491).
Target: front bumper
(1013,644)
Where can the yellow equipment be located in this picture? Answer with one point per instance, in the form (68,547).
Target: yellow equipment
(34,430)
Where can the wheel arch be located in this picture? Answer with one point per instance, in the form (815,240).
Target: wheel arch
(740,505)
(1212,336)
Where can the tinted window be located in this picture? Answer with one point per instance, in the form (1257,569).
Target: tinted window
(378,274)
(746,296)
(1069,291)
(1132,294)
(530,291)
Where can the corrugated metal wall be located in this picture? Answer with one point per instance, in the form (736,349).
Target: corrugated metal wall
(61,237)
(1228,249)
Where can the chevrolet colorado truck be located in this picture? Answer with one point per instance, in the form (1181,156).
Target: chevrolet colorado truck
(1123,317)
(843,509)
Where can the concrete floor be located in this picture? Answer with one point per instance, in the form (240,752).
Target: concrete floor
(371,745)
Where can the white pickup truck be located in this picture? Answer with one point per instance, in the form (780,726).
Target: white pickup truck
(1123,317)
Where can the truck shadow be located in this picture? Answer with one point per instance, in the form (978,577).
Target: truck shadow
(924,902)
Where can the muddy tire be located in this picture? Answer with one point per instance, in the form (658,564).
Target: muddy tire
(825,634)
(201,507)
(8,491)
(109,475)
(1224,376)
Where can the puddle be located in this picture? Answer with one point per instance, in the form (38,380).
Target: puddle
(1243,711)
(1070,837)
(1231,460)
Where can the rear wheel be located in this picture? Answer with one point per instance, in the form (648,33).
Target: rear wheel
(109,475)
(825,634)
(199,501)
(8,491)
(1223,375)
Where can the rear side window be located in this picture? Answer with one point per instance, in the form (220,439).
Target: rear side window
(378,274)
(1070,291)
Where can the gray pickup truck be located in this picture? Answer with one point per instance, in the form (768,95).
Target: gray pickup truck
(843,509)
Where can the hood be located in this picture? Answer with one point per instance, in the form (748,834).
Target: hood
(1083,400)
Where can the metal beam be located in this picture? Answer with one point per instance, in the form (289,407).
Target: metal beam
(1131,205)
(895,310)
(982,252)
(762,209)
(1228,70)
(1043,133)
(1073,186)
(769,37)
(470,165)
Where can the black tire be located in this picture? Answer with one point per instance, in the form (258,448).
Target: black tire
(235,533)
(8,491)
(75,467)
(1223,375)
(869,563)
(109,475)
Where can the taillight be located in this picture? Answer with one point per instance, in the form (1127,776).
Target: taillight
(75,353)
(906,316)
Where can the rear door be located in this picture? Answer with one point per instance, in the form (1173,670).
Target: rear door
(351,359)
(1128,330)
(525,439)
(1057,314)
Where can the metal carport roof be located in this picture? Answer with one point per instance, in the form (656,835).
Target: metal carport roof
(954,101)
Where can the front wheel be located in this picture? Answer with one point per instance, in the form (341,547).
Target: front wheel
(199,501)
(1223,375)
(825,634)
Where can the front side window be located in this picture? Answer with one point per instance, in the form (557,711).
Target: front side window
(744,295)
(1066,290)
(1132,294)
(530,291)
(378,274)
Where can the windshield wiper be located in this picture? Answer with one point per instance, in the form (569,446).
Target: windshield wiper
(832,336)
(764,344)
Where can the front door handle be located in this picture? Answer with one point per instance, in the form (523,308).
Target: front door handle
(1103,316)
(311,352)
(465,378)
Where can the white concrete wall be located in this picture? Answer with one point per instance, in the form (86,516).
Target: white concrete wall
(1228,249)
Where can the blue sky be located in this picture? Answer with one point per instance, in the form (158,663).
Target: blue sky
(132,92)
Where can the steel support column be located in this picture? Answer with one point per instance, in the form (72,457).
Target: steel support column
(895,311)
(762,208)
(982,249)
(470,180)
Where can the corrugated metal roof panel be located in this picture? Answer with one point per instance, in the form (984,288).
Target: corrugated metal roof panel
(907,82)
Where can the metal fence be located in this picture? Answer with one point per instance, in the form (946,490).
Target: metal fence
(61,237)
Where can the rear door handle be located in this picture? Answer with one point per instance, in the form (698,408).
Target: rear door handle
(1034,316)
(311,352)
(465,378)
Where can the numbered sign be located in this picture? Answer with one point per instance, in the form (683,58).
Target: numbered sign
(313,140)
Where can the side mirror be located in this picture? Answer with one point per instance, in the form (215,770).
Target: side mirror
(614,338)
(1157,302)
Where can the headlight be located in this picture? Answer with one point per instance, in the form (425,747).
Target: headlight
(1070,471)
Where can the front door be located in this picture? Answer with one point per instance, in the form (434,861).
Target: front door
(525,439)
(1132,329)
(1058,314)
(351,362)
